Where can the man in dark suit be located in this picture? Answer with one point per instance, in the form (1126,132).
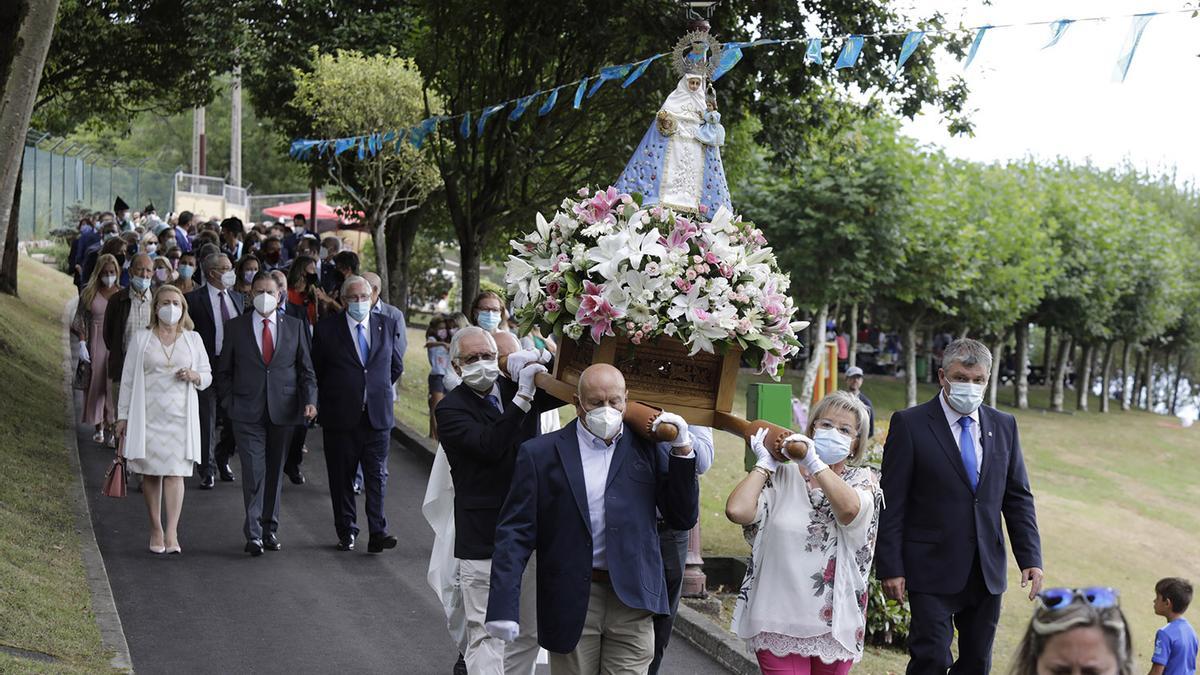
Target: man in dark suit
(211,306)
(128,311)
(951,468)
(265,381)
(584,499)
(357,355)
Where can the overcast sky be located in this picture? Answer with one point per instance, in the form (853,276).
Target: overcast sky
(1063,100)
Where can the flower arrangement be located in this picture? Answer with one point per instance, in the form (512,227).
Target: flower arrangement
(606,266)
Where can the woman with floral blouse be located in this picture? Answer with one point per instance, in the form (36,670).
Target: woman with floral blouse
(811,525)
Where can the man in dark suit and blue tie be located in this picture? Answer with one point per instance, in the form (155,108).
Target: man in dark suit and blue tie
(265,380)
(951,468)
(584,498)
(357,354)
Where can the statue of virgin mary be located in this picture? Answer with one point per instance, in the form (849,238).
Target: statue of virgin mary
(678,162)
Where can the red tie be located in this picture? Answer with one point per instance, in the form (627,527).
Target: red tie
(268,347)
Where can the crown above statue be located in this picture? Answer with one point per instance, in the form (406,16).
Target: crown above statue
(696,53)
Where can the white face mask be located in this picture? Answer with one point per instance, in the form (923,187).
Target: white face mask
(489,320)
(228,279)
(265,303)
(604,422)
(170,314)
(481,375)
(965,397)
(108,280)
(832,447)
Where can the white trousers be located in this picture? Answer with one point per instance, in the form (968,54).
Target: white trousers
(485,654)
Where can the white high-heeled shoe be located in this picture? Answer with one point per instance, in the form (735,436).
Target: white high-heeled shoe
(157,549)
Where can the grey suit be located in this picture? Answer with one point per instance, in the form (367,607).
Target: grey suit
(265,403)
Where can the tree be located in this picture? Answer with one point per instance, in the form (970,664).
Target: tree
(349,94)
(27,29)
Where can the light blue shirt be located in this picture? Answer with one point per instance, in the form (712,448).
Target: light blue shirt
(1175,648)
(702,445)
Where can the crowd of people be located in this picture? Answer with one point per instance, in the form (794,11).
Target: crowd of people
(210,339)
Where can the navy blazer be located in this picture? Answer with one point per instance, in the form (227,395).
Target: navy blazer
(547,511)
(342,378)
(933,524)
(201,310)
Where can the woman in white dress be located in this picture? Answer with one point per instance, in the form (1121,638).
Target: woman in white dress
(812,526)
(158,410)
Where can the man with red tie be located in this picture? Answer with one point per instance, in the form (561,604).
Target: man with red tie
(265,380)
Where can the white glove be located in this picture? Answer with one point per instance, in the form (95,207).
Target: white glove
(811,462)
(518,360)
(684,437)
(503,630)
(765,460)
(84,356)
(525,386)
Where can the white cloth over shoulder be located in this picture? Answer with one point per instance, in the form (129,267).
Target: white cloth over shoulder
(438,509)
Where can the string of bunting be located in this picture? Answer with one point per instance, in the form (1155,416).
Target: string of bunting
(475,121)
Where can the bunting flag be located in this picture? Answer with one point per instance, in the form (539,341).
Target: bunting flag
(911,42)
(342,145)
(549,104)
(579,93)
(850,52)
(522,104)
(422,130)
(464,129)
(637,72)
(487,112)
(1131,45)
(402,135)
(609,73)
(1056,31)
(730,56)
(812,54)
(975,45)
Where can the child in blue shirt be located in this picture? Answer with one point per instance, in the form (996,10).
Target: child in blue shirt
(1175,645)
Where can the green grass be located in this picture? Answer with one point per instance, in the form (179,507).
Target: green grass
(45,604)
(1118,499)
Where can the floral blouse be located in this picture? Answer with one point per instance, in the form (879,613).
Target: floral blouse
(805,590)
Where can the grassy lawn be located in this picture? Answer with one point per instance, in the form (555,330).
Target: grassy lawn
(45,604)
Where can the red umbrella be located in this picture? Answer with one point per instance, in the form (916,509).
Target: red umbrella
(325,213)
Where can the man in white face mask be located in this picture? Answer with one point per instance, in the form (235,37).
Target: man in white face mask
(584,500)
(951,467)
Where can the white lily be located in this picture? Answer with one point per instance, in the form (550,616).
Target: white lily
(645,245)
(608,254)
(522,282)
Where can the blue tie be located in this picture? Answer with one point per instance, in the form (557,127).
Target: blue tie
(966,442)
(362,344)
(494,402)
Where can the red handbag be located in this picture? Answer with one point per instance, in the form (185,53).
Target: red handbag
(114,479)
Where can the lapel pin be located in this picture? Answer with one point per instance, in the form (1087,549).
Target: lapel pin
(989,434)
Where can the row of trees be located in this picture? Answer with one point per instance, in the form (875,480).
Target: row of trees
(1103,259)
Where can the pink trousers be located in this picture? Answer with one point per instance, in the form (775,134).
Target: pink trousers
(794,664)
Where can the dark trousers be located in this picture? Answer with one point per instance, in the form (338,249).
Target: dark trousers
(295,454)
(345,450)
(674,544)
(974,611)
(216,443)
(262,446)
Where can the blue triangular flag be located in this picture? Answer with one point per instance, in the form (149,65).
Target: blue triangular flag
(609,73)
(579,93)
(975,45)
(362,151)
(911,42)
(464,129)
(850,52)
(399,135)
(812,54)
(342,144)
(548,104)
(488,112)
(730,55)
(637,72)
(1056,31)
(419,132)
(1131,45)
(522,104)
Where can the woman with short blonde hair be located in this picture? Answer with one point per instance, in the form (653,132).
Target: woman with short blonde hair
(158,411)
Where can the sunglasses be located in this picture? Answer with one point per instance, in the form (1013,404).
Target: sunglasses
(1100,597)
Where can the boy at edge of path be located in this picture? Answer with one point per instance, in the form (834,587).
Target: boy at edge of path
(1175,644)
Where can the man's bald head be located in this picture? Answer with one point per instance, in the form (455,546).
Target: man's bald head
(506,343)
(601,384)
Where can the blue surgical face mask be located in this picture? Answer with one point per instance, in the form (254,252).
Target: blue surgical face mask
(488,319)
(359,310)
(139,284)
(185,271)
(965,397)
(832,447)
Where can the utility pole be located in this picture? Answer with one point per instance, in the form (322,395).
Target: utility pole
(235,129)
(199,163)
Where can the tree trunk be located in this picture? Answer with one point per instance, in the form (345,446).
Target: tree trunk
(1065,345)
(1083,382)
(1139,379)
(816,353)
(402,232)
(1175,381)
(1047,345)
(1148,378)
(994,378)
(470,257)
(379,235)
(1021,381)
(1106,377)
(930,373)
(1126,379)
(910,365)
(8,260)
(24,42)
(852,359)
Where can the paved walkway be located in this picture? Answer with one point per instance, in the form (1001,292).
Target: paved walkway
(305,609)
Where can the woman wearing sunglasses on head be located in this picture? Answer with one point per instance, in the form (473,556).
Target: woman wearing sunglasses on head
(812,526)
(1076,631)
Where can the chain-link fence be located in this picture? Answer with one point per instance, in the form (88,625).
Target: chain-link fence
(59,175)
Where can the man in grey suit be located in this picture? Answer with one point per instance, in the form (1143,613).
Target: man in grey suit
(265,380)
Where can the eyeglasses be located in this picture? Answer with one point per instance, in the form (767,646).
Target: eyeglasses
(475,358)
(843,430)
(1100,597)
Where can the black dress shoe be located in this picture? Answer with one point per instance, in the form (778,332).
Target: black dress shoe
(380,542)
(295,476)
(254,547)
(346,543)
(207,483)
(226,474)
(271,543)
(460,668)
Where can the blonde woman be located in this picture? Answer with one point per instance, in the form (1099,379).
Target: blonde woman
(812,526)
(164,273)
(98,407)
(158,413)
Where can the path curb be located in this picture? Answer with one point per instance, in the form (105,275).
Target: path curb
(104,607)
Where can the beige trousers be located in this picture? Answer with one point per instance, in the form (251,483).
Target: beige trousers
(485,654)
(616,640)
